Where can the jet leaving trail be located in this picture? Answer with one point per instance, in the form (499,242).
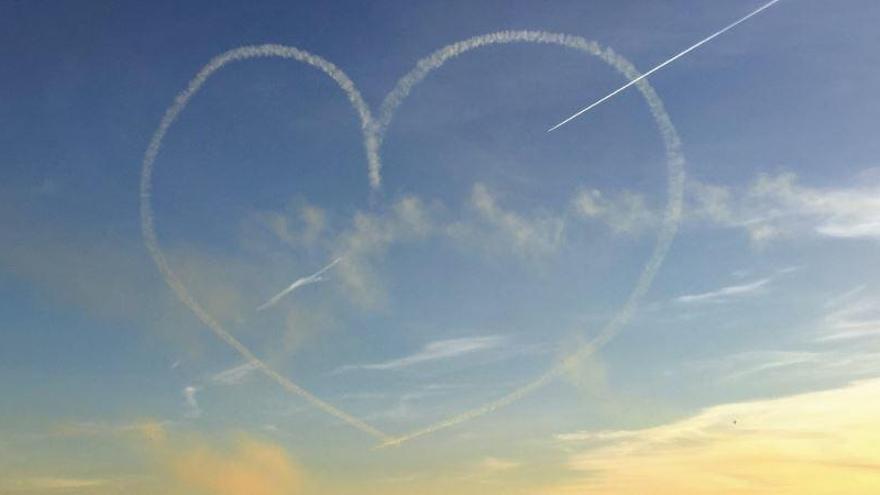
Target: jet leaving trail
(311,279)
(664,64)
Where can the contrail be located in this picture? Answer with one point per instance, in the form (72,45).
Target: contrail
(311,279)
(664,64)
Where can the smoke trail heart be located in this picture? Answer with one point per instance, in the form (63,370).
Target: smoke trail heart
(148,225)
(373,133)
(672,214)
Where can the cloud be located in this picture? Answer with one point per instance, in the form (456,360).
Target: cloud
(149,429)
(227,465)
(235,375)
(493,465)
(433,351)
(746,364)
(813,443)
(299,225)
(625,213)
(776,206)
(503,230)
(851,316)
(53,484)
(249,467)
(725,293)
(363,244)
(192,405)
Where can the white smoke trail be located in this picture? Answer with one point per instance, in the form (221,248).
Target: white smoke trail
(148,225)
(300,282)
(374,132)
(664,64)
(672,215)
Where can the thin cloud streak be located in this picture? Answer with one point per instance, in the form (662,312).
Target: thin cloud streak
(725,293)
(300,282)
(193,409)
(434,351)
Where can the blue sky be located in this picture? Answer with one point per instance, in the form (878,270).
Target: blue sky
(490,251)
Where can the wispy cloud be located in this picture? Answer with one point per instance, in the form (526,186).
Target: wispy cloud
(235,375)
(760,447)
(851,316)
(143,429)
(741,365)
(53,484)
(726,293)
(779,206)
(434,351)
(505,230)
(192,405)
(239,465)
(624,213)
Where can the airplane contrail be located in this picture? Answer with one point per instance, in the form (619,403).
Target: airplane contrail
(664,64)
(300,282)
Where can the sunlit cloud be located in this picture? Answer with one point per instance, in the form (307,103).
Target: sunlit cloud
(813,443)
(150,429)
(852,316)
(231,465)
(503,230)
(51,484)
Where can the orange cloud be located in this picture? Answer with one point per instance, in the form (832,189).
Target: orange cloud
(238,466)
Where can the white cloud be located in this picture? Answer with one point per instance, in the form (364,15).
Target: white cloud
(302,225)
(625,213)
(778,206)
(726,293)
(746,364)
(433,351)
(369,237)
(53,483)
(192,405)
(853,316)
(235,375)
(503,230)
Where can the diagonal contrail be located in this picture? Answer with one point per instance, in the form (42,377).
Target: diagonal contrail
(664,64)
(311,279)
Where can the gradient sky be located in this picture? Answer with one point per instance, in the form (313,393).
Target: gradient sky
(490,252)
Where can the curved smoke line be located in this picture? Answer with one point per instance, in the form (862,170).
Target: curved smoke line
(672,215)
(148,225)
(374,132)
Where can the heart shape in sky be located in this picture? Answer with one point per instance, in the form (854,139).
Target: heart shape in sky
(374,129)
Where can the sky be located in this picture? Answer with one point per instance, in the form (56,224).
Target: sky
(345,260)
